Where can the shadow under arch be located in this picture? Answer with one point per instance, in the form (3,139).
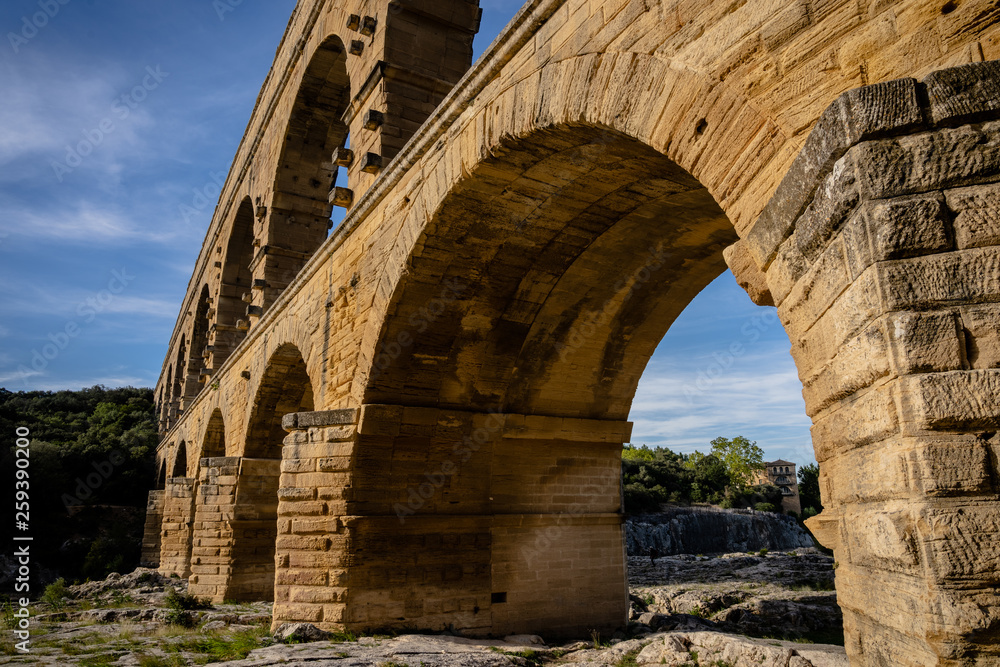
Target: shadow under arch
(575,247)
(214,442)
(237,280)
(541,286)
(180,461)
(284,388)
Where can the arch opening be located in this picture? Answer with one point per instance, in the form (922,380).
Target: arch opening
(284,388)
(541,287)
(300,219)
(556,268)
(195,362)
(214,444)
(180,461)
(237,287)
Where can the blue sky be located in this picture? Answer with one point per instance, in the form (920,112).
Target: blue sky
(117,120)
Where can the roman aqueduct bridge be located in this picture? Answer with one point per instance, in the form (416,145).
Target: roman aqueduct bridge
(415,420)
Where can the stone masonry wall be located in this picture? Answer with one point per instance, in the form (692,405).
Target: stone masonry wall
(416,518)
(150,556)
(882,252)
(178,519)
(212,538)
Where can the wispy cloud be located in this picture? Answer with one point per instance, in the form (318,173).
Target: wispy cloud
(760,398)
(85,222)
(50,110)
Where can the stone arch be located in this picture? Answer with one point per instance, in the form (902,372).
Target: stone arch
(285,388)
(195,362)
(214,442)
(511,289)
(180,467)
(161,477)
(300,217)
(595,243)
(236,284)
(180,376)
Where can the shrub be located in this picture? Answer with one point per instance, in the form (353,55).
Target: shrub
(55,594)
(765,507)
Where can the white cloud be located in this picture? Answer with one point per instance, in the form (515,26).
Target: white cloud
(760,398)
(20,376)
(51,106)
(83,222)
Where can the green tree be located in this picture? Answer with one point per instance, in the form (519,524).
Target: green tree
(809,488)
(633,453)
(743,460)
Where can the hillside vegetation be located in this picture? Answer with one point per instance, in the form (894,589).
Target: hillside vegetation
(92,464)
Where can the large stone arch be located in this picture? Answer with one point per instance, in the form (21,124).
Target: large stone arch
(724,93)
(285,388)
(299,219)
(236,285)
(499,279)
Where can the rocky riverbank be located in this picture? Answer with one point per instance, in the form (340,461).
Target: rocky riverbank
(685,611)
(702,530)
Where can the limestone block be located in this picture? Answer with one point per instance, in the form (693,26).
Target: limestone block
(945,158)
(953,400)
(747,274)
(976,212)
(947,278)
(869,418)
(954,466)
(925,341)
(983,340)
(962,543)
(882,538)
(964,94)
(907,227)
(859,363)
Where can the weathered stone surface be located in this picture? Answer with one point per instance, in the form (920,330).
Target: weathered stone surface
(976,212)
(748,275)
(537,226)
(930,161)
(963,94)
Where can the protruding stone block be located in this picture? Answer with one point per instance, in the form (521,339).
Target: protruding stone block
(342,197)
(373,119)
(371,163)
(343,157)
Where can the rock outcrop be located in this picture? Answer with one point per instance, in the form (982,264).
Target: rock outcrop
(700,530)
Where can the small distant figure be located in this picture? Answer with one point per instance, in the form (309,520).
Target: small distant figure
(653,555)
